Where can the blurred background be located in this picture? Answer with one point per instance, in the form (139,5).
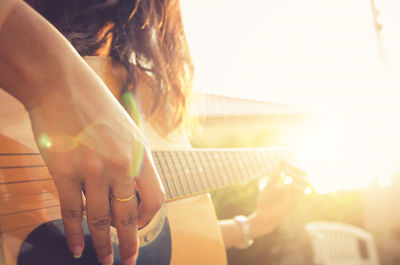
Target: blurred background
(321,77)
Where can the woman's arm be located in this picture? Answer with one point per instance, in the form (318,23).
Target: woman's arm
(274,203)
(86,138)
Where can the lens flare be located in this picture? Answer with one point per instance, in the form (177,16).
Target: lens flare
(308,191)
(288,180)
(44,141)
(128,102)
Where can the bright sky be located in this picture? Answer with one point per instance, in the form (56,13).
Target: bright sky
(318,54)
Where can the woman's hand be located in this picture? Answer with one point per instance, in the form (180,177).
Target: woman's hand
(87,140)
(276,199)
(89,143)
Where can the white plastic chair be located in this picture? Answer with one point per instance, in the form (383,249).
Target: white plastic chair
(341,244)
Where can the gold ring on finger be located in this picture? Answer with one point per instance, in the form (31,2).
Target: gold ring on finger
(123,199)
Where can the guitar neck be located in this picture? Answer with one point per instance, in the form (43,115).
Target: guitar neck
(189,172)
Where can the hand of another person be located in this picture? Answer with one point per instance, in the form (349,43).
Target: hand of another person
(276,199)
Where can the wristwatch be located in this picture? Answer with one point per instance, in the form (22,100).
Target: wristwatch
(245,227)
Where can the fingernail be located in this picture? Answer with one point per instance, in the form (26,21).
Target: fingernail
(108,260)
(130,261)
(77,251)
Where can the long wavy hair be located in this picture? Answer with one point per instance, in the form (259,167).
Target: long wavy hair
(145,36)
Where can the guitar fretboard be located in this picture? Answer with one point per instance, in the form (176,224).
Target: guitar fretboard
(190,172)
(187,172)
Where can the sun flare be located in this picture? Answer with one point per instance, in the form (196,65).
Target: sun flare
(319,55)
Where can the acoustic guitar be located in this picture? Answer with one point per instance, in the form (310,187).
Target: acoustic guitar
(185,231)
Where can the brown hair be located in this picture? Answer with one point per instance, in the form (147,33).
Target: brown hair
(148,40)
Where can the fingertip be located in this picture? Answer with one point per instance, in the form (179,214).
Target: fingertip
(77,251)
(131,260)
(108,260)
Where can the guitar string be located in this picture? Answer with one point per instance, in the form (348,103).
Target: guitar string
(19,154)
(24,181)
(200,169)
(33,209)
(230,174)
(178,171)
(27,211)
(190,169)
(183,170)
(162,176)
(174,159)
(173,177)
(207,169)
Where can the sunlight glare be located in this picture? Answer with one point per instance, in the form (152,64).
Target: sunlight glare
(319,55)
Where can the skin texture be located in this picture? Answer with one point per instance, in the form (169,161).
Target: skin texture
(86,138)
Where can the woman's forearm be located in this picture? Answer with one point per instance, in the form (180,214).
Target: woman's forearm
(35,59)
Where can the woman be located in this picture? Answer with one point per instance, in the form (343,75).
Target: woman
(147,39)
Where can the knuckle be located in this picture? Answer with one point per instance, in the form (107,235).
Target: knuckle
(128,220)
(122,160)
(101,223)
(73,237)
(74,216)
(92,166)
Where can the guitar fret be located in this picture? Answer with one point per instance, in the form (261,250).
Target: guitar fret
(169,175)
(234,165)
(190,172)
(228,176)
(242,164)
(221,176)
(175,173)
(172,170)
(204,178)
(254,173)
(185,171)
(193,171)
(266,169)
(174,159)
(212,159)
(262,167)
(198,170)
(245,164)
(160,162)
(209,174)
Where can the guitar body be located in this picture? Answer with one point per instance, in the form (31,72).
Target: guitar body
(30,222)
